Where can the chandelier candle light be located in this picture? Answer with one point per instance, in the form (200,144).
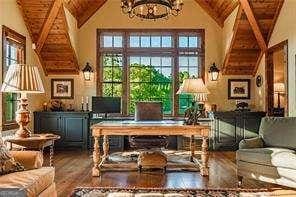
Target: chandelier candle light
(151,9)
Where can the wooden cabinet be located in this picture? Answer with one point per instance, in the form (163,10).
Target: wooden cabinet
(71,126)
(228,128)
(231,127)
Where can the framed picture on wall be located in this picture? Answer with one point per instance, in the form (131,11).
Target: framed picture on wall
(62,88)
(239,89)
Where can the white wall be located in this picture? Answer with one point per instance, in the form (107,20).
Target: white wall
(259,92)
(285,29)
(227,31)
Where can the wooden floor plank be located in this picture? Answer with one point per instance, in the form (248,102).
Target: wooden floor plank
(73,169)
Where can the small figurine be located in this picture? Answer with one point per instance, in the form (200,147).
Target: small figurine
(242,106)
(56,105)
(191,115)
(70,107)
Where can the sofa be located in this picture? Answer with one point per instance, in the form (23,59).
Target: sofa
(34,181)
(271,156)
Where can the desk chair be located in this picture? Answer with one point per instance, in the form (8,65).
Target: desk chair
(152,157)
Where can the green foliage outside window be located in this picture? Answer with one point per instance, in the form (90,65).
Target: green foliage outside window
(147,83)
(10,106)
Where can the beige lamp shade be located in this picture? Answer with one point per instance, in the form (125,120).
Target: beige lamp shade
(21,78)
(279,87)
(195,87)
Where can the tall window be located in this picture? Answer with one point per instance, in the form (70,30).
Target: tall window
(149,65)
(13,52)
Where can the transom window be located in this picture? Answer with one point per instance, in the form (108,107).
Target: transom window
(150,41)
(13,52)
(149,65)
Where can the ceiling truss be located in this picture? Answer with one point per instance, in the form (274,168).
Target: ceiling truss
(48,28)
(252,30)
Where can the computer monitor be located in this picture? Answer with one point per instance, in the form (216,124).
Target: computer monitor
(106,105)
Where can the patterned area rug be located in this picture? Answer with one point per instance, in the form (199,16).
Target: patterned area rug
(153,192)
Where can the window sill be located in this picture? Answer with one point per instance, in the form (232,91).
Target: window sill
(9,126)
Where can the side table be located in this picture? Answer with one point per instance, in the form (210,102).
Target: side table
(37,142)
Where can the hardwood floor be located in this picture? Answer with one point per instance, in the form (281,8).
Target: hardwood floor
(73,169)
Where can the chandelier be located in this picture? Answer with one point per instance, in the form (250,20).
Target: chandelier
(151,9)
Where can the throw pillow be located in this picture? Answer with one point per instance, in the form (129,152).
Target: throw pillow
(7,163)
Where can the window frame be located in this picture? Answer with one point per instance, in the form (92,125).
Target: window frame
(20,40)
(126,51)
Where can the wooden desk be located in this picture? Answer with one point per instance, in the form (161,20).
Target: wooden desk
(107,128)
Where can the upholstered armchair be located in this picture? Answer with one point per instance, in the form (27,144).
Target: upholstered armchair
(148,111)
(35,180)
(270,157)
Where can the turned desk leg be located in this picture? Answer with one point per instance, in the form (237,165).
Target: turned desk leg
(96,157)
(204,169)
(192,147)
(51,152)
(106,146)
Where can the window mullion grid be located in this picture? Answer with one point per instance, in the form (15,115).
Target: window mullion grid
(112,73)
(6,62)
(175,76)
(173,52)
(125,73)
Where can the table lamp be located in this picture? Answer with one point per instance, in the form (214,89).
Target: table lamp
(197,88)
(23,79)
(279,88)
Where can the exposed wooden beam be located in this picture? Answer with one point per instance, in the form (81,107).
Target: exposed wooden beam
(48,24)
(235,28)
(61,72)
(203,4)
(254,25)
(231,7)
(89,12)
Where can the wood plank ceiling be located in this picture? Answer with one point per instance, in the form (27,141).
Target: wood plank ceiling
(252,30)
(48,28)
(82,10)
(219,10)
(47,24)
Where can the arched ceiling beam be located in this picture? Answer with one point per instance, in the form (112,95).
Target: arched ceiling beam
(48,24)
(254,25)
